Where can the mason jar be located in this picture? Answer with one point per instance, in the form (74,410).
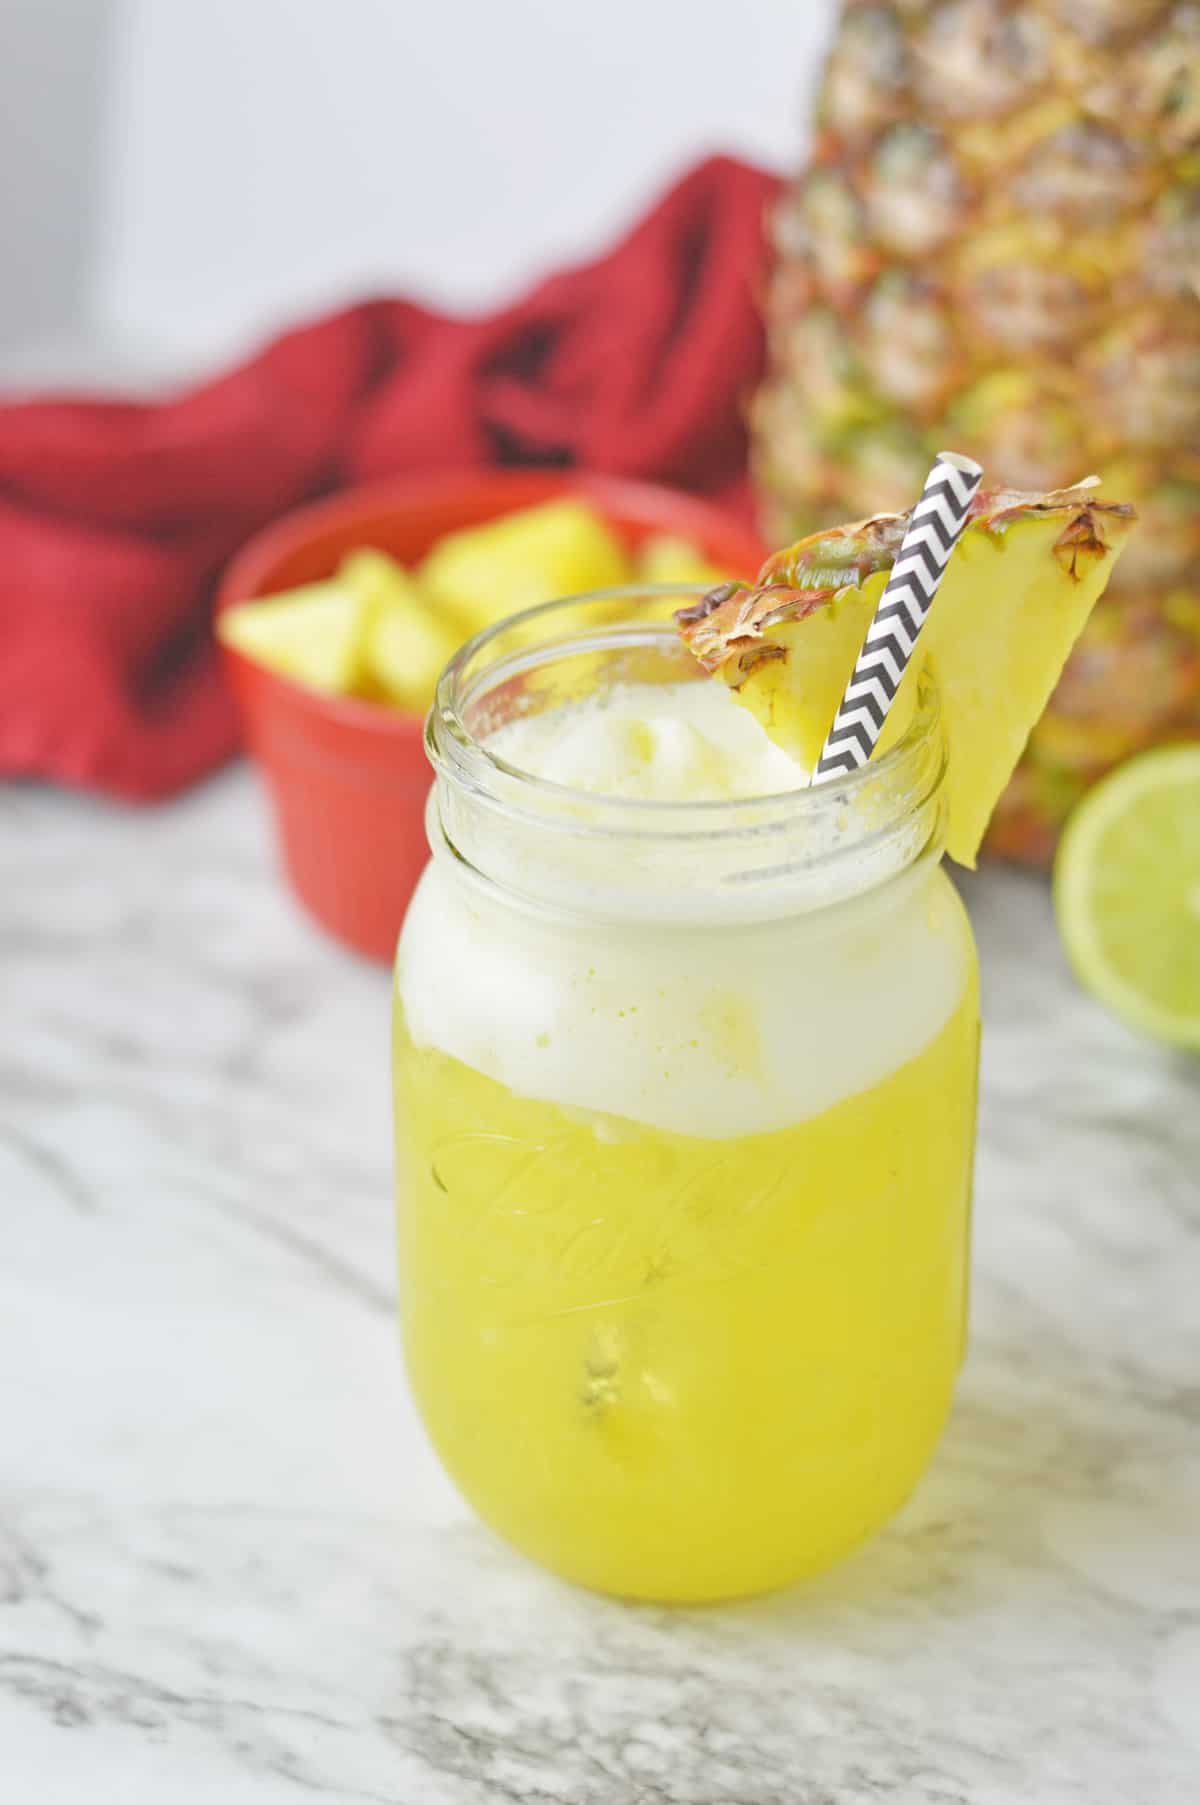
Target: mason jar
(685,1104)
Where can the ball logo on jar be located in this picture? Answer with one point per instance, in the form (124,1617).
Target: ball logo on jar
(549,1212)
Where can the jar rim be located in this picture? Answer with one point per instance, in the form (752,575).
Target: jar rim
(461,755)
(542,843)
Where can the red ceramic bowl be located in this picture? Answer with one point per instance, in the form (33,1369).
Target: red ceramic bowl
(348,779)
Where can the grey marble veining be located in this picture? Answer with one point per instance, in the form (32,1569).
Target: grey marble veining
(231,1570)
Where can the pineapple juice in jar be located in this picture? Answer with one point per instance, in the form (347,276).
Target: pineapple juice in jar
(685,1061)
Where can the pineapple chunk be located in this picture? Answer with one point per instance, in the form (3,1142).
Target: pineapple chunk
(1014,599)
(376,577)
(561,548)
(407,650)
(313,634)
(668,558)
(408,639)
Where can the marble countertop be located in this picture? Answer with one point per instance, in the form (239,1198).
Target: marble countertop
(230,1568)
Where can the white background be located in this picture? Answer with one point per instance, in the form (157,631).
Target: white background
(181,176)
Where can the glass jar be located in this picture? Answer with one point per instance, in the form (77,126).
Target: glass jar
(685,1102)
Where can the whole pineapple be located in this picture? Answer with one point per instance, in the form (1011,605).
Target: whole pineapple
(996,247)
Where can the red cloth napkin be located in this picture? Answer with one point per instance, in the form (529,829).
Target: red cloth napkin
(115,518)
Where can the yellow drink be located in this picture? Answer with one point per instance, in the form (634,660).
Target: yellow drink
(685,1062)
(682,1368)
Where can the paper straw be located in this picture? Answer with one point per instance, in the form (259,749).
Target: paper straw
(937,522)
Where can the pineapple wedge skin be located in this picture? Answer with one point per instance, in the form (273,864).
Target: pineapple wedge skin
(482,574)
(1015,596)
(792,698)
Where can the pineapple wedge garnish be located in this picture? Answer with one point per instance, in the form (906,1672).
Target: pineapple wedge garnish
(1014,598)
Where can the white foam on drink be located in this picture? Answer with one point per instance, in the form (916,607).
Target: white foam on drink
(668,742)
(693,1024)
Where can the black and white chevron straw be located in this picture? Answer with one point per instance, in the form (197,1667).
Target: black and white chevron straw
(937,521)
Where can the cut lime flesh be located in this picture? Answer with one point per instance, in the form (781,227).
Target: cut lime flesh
(1127,893)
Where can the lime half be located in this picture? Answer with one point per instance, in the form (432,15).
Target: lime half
(1127,893)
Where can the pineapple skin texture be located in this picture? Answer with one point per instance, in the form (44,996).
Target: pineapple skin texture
(995,247)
